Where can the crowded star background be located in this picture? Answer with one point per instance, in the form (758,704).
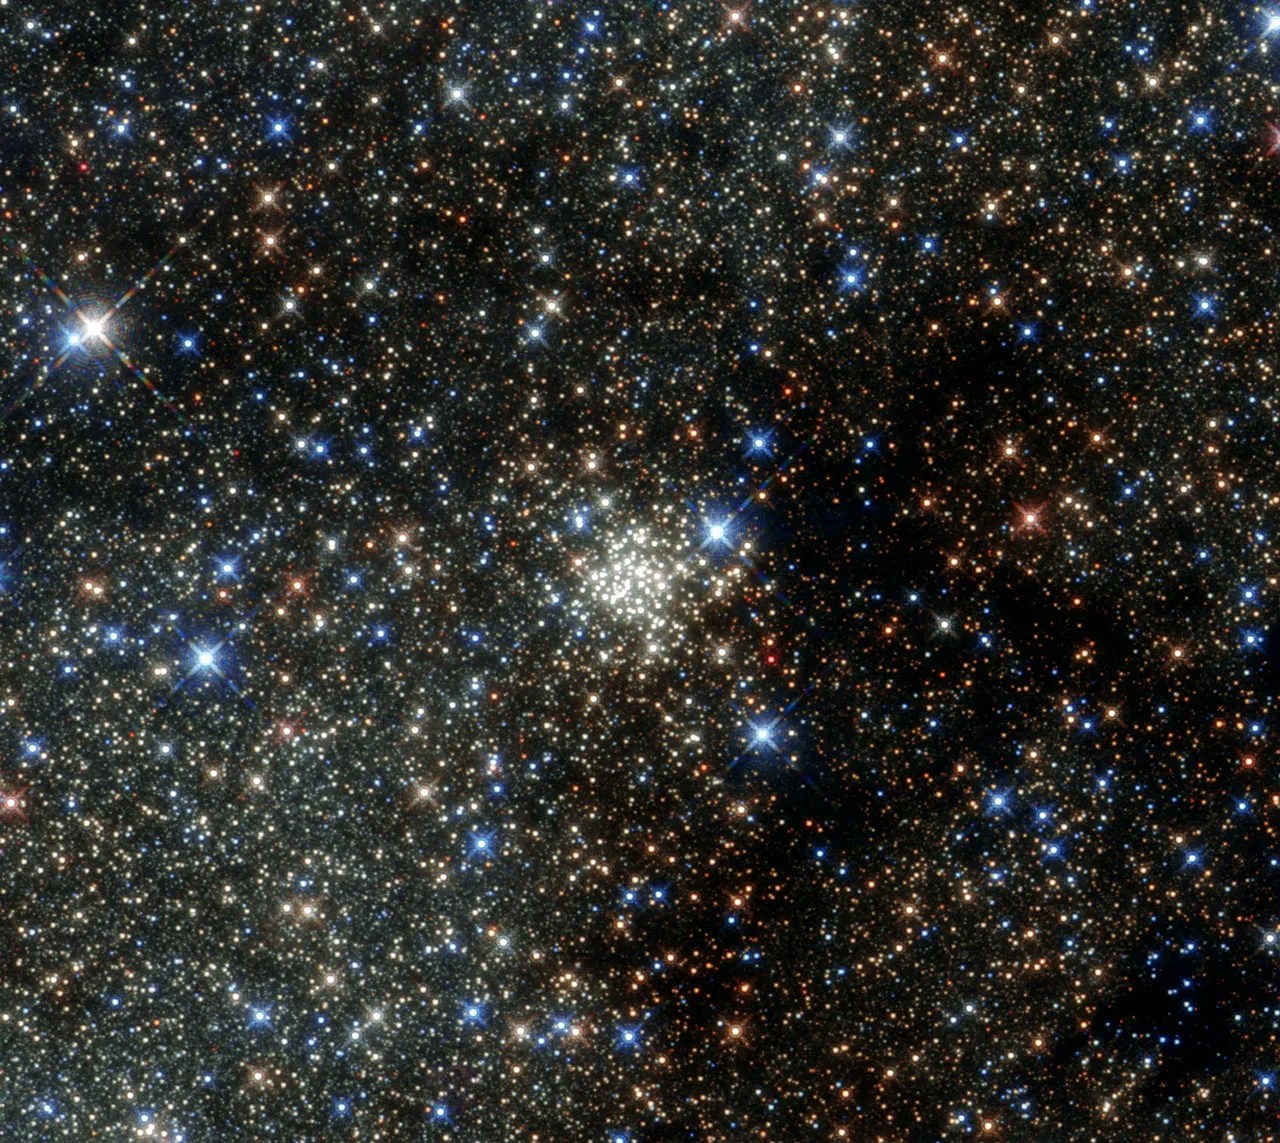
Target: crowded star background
(665,571)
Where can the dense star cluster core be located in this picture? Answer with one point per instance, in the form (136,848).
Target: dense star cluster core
(662,571)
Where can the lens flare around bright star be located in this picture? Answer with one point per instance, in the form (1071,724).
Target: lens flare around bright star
(92,332)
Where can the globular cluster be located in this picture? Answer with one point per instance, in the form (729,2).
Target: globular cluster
(661,571)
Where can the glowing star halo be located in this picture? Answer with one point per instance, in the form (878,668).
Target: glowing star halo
(89,337)
(92,338)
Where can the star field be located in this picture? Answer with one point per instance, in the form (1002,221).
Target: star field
(639,573)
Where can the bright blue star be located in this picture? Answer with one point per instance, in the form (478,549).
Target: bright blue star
(841,138)
(763,737)
(1204,306)
(206,658)
(849,278)
(719,532)
(999,802)
(629,1038)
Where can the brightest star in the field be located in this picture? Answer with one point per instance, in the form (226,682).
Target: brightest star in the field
(718,533)
(764,736)
(95,327)
(89,335)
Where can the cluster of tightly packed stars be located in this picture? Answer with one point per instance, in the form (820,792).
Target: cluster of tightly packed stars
(662,571)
